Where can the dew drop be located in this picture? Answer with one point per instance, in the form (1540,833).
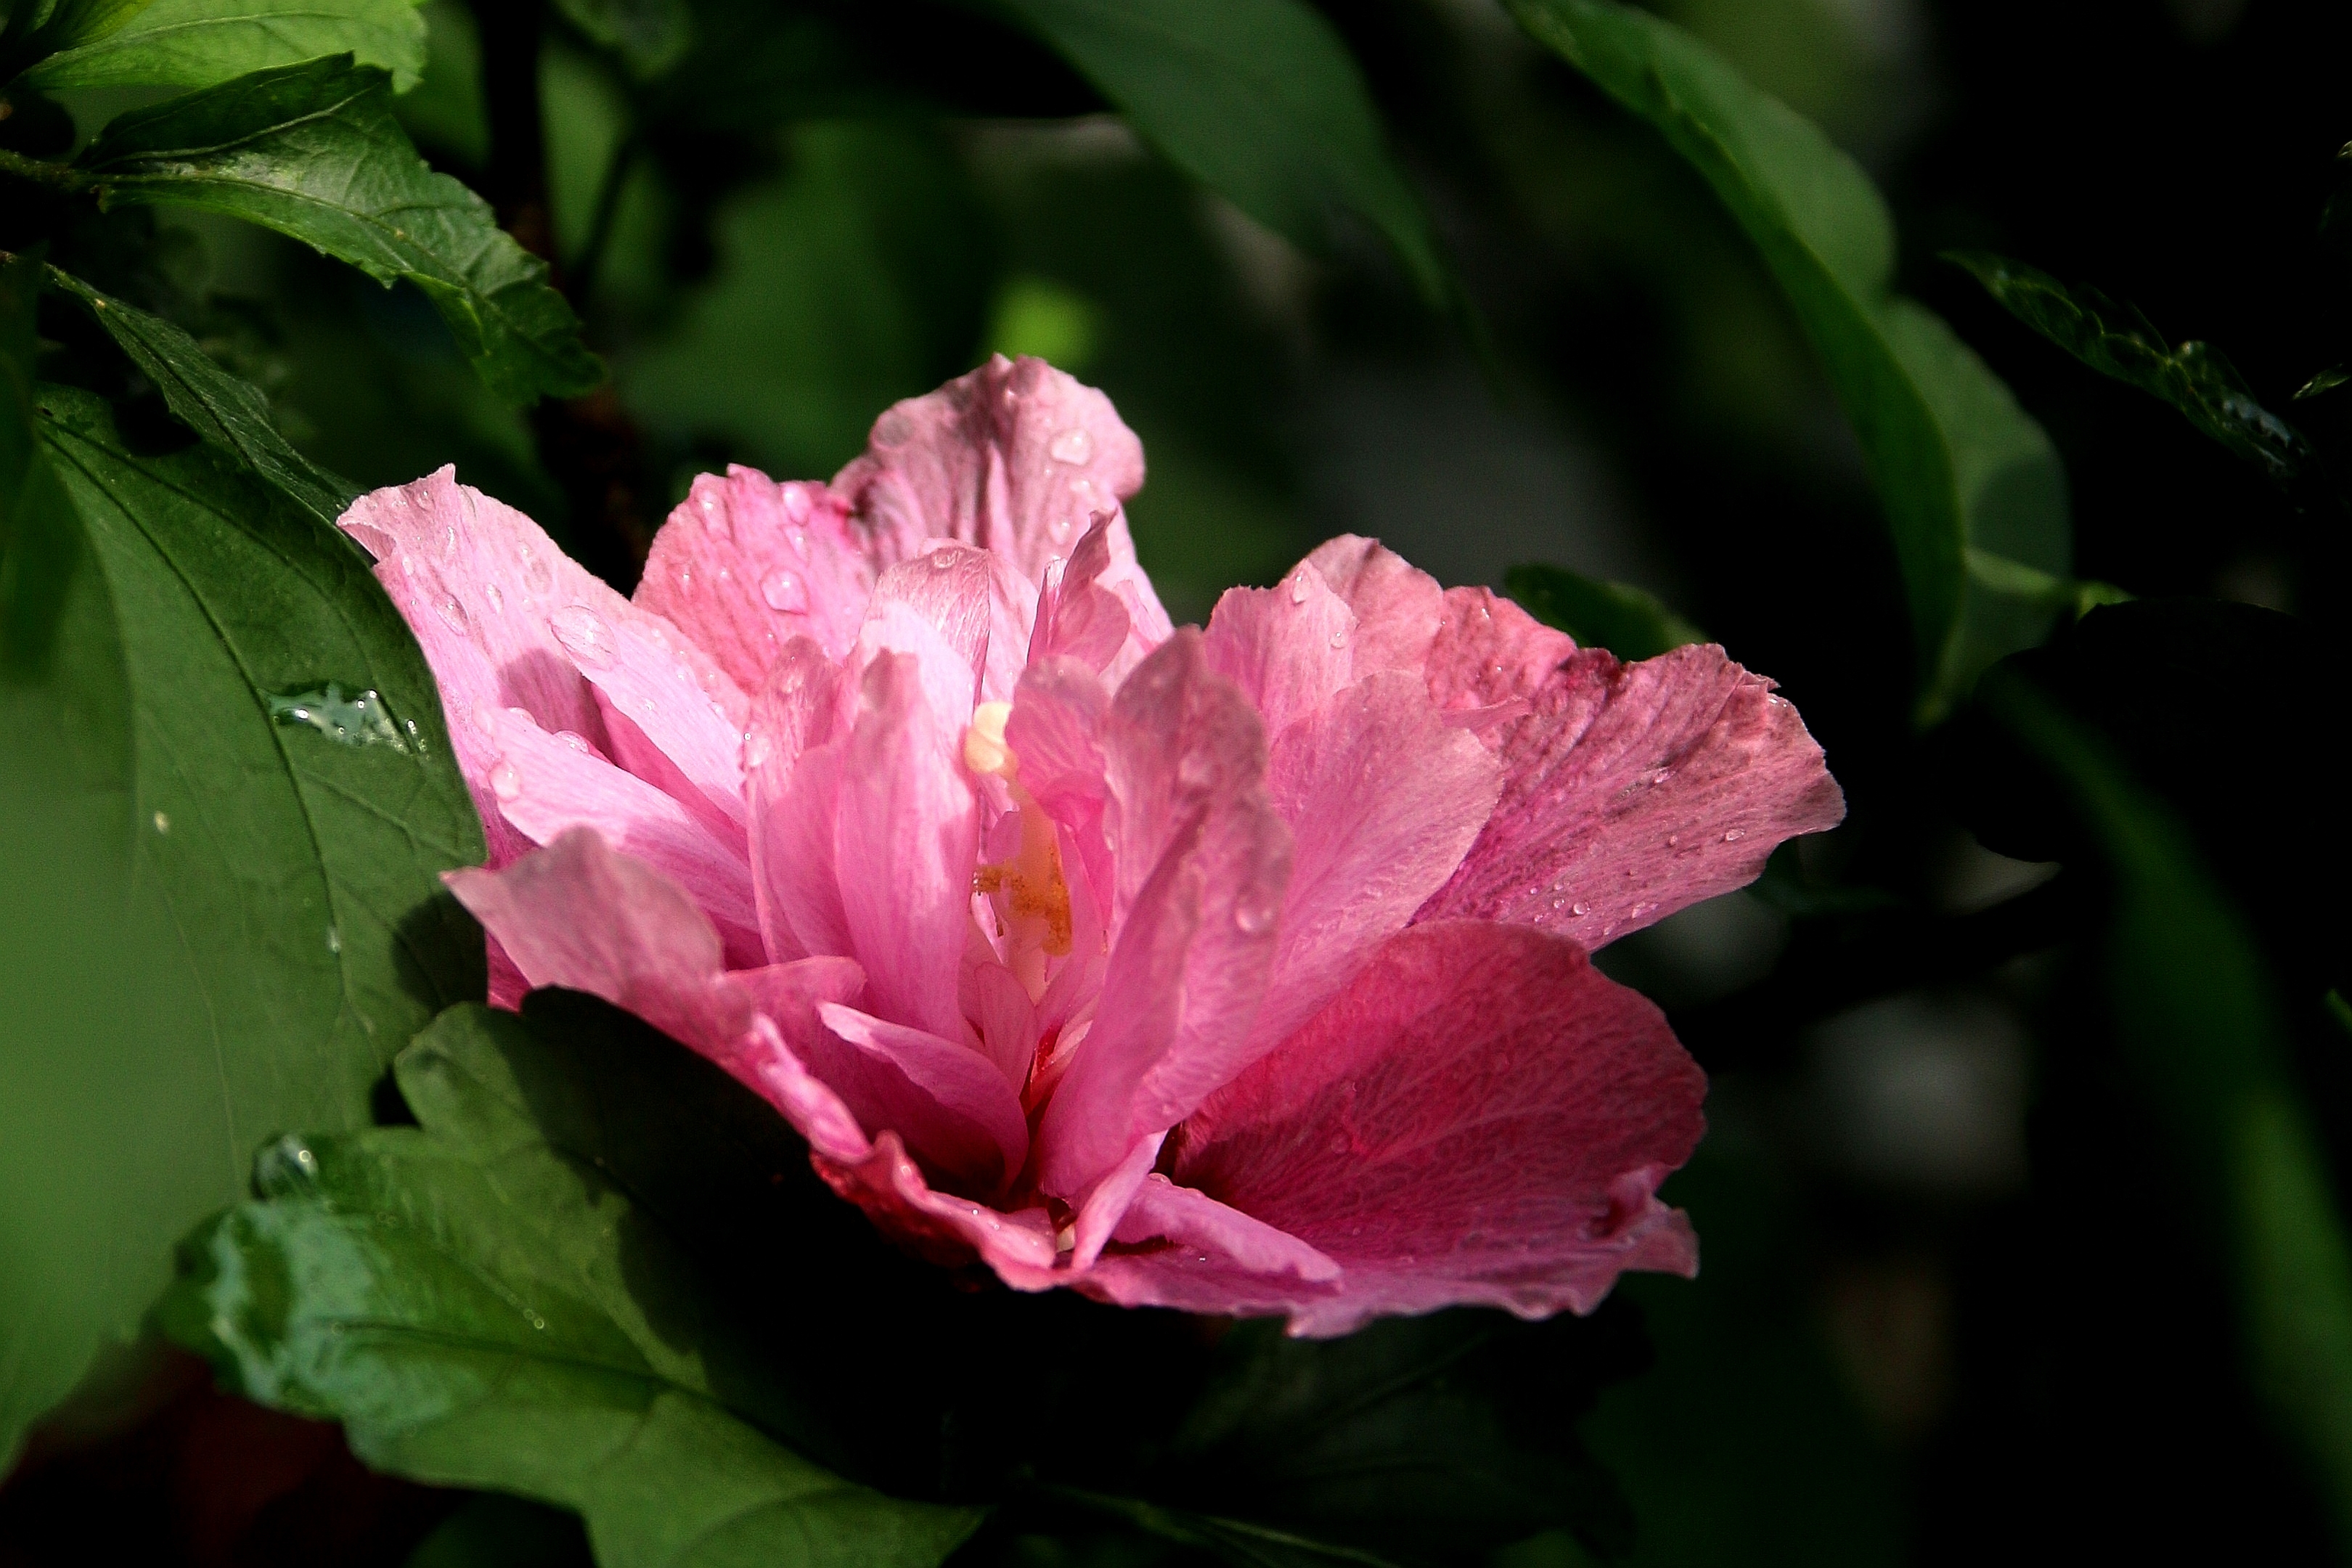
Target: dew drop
(576,740)
(1672,839)
(163,823)
(498,599)
(783,592)
(585,635)
(942,560)
(1072,445)
(1734,835)
(452,612)
(450,544)
(505,783)
(758,748)
(1253,914)
(1339,638)
(536,576)
(796,505)
(335,939)
(1580,907)
(1298,588)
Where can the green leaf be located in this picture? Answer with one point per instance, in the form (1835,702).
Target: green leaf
(649,35)
(67,25)
(1958,467)
(201,43)
(1257,99)
(229,924)
(223,409)
(2116,341)
(1232,1540)
(490,1301)
(1627,621)
(2197,1008)
(312,150)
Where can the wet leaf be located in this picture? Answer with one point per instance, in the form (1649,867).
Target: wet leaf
(223,409)
(201,43)
(2116,341)
(312,150)
(1969,483)
(494,1299)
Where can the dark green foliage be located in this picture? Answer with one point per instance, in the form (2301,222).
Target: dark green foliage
(199,43)
(1627,621)
(312,150)
(1972,487)
(245,958)
(2116,341)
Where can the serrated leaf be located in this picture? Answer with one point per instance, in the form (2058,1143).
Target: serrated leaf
(35,30)
(1258,100)
(482,1306)
(242,919)
(201,43)
(2116,341)
(225,410)
(2197,1008)
(1958,465)
(1629,622)
(312,150)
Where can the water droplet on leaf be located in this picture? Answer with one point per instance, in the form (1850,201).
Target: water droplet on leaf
(362,720)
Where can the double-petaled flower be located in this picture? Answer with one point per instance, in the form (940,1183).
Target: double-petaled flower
(1241,969)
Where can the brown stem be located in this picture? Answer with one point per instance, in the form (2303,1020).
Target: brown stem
(589,446)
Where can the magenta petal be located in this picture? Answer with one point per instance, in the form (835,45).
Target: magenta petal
(1397,605)
(1015,457)
(1188,1217)
(1488,651)
(949,1103)
(906,835)
(1632,791)
(1383,799)
(948,1230)
(791,840)
(1201,862)
(546,785)
(1479,1118)
(1287,647)
(744,565)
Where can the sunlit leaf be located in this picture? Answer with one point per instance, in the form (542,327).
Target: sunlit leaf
(312,150)
(1628,621)
(1964,475)
(230,923)
(223,409)
(199,43)
(2197,1009)
(1257,99)
(2116,341)
(488,1300)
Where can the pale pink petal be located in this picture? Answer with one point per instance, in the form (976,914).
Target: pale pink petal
(949,1103)
(675,736)
(545,786)
(947,587)
(1397,605)
(1488,652)
(787,996)
(906,835)
(1188,1217)
(1287,647)
(744,565)
(1005,1016)
(1015,457)
(1100,1213)
(1202,861)
(1479,1118)
(1383,799)
(1078,617)
(790,837)
(575,914)
(1632,791)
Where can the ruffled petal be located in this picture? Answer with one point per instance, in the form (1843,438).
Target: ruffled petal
(1479,1118)
(950,1103)
(1630,790)
(1383,799)
(1397,605)
(1200,860)
(1287,647)
(745,565)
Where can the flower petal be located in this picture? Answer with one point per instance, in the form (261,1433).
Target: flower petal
(1631,791)
(1287,647)
(790,837)
(547,785)
(950,1103)
(1201,861)
(1188,1217)
(745,565)
(1015,457)
(1479,1118)
(1383,799)
(1397,605)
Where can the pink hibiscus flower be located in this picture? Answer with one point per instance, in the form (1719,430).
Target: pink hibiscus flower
(1239,970)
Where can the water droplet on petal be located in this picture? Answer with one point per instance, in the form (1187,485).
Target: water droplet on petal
(498,599)
(585,635)
(576,740)
(1672,839)
(1734,835)
(942,560)
(1580,907)
(1254,913)
(1298,587)
(783,592)
(1072,445)
(505,783)
(452,612)
(796,502)
(535,574)
(1339,638)
(758,748)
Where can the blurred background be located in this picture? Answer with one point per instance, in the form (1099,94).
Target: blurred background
(1944,1312)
